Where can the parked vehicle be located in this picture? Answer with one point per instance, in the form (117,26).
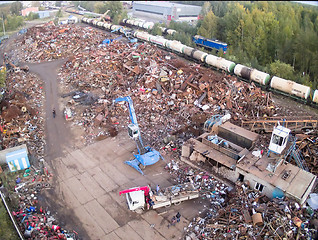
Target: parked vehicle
(143,198)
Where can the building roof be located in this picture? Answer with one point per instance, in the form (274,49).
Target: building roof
(164,4)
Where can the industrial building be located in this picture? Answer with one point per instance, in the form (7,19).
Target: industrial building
(230,149)
(166,11)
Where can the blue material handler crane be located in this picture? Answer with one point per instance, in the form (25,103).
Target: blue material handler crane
(146,155)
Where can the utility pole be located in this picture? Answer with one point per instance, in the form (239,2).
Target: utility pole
(4,30)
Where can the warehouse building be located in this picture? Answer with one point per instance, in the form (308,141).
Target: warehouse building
(166,11)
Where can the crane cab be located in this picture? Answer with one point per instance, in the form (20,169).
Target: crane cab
(133,131)
(135,200)
(279,139)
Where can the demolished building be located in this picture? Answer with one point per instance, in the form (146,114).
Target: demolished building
(231,151)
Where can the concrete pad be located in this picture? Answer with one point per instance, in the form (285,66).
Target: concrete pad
(90,225)
(116,211)
(102,179)
(112,236)
(118,177)
(63,171)
(67,196)
(144,229)
(72,165)
(127,144)
(93,153)
(83,160)
(161,224)
(78,190)
(103,219)
(126,231)
(91,185)
(120,200)
(127,170)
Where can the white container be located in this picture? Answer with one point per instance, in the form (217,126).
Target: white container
(225,64)
(260,77)
(315,97)
(148,25)
(107,26)
(199,55)
(171,31)
(211,60)
(187,51)
(282,84)
(239,70)
(300,90)
(176,46)
(158,40)
(143,36)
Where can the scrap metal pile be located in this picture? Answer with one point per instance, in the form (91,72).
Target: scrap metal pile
(169,94)
(241,213)
(308,146)
(34,220)
(22,119)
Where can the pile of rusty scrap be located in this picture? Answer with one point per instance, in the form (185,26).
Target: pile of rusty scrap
(248,214)
(308,148)
(34,220)
(21,113)
(240,213)
(167,92)
(48,42)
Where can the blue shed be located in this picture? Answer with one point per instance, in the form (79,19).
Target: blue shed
(18,160)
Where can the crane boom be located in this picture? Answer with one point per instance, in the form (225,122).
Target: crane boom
(133,119)
(145,189)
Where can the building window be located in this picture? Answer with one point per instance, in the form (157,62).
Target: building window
(259,187)
(241,178)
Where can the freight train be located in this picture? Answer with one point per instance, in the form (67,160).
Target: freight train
(275,84)
(139,23)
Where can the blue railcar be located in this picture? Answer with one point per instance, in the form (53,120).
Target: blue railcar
(209,43)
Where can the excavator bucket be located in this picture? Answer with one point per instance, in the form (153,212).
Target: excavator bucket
(149,158)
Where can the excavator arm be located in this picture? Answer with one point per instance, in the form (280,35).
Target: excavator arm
(147,155)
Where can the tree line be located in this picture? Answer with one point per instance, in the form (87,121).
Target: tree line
(280,38)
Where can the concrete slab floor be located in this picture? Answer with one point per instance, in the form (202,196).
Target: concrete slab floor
(89,182)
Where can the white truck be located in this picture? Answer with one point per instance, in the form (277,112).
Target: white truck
(142,198)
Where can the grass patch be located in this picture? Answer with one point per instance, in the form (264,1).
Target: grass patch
(7,230)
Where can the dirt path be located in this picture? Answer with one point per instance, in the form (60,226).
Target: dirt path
(58,136)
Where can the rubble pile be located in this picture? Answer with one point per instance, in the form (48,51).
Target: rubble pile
(167,92)
(48,42)
(169,95)
(34,220)
(308,147)
(241,213)
(21,116)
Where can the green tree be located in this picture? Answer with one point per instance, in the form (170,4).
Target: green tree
(100,7)
(32,16)
(16,8)
(156,30)
(59,13)
(115,8)
(58,3)
(208,27)
(205,8)
(282,70)
(36,4)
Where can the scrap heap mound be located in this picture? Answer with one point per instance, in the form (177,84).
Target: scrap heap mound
(21,117)
(241,213)
(169,95)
